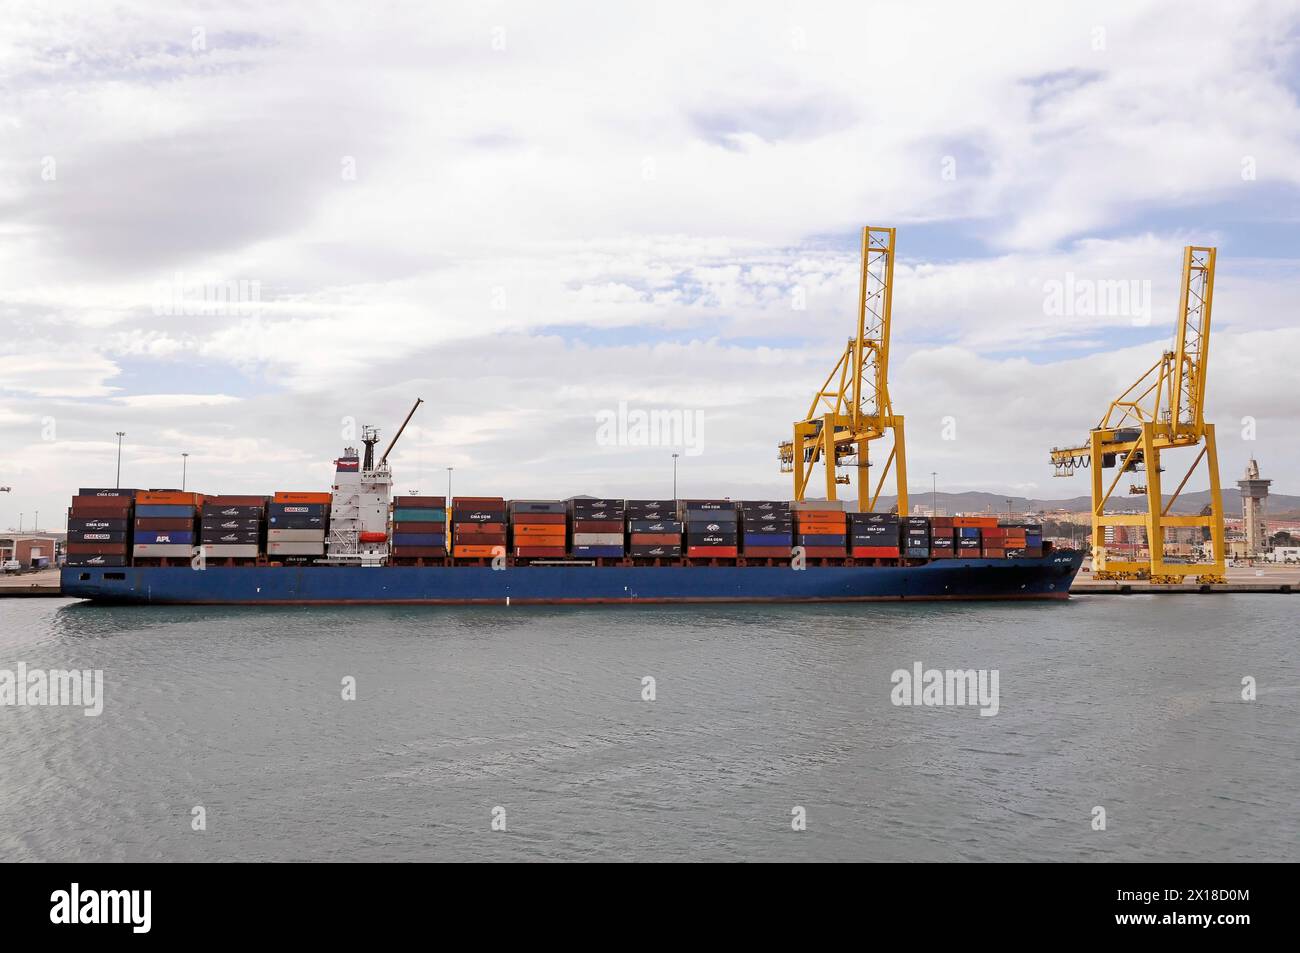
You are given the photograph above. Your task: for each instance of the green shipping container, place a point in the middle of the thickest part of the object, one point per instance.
(419, 516)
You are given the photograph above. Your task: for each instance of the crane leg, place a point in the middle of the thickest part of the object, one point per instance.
(1159, 572)
(828, 455)
(900, 466)
(1219, 574)
(864, 477)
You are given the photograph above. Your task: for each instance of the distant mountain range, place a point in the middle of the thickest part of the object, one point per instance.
(1279, 504)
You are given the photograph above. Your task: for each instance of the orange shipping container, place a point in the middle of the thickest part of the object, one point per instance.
(820, 518)
(477, 552)
(168, 498)
(539, 529)
(984, 522)
(287, 496)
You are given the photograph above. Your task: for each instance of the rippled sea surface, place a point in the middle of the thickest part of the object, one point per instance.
(1129, 703)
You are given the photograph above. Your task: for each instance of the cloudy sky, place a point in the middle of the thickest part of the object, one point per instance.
(527, 214)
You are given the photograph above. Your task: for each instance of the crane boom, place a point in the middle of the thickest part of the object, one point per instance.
(392, 443)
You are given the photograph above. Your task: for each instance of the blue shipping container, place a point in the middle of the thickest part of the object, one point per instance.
(595, 552)
(969, 532)
(174, 537)
(822, 539)
(152, 510)
(419, 539)
(768, 539)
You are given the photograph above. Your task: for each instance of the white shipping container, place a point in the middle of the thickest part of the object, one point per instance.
(160, 550)
(597, 539)
(222, 550)
(295, 535)
(295, 549)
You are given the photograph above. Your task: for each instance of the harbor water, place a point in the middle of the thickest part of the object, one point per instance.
(656, 733)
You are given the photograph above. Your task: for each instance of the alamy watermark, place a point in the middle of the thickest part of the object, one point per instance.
(205, 296)
(1098, 298)
(951, 687)
(656, 427)
(37, 687)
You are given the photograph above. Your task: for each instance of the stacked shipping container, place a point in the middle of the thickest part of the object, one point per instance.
(165, 523)
(712, 528)
(419, 527)
(916, 537)
(99, 527)
(874, 535)
(767, 529)
(654, 531)
(821, 528)
(478, 527)
(232, 527)
(943, 538)
(597, 528)
(297, 523)
(539, 528)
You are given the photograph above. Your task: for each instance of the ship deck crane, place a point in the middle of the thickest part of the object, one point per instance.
(853, 408)
(1164, 410)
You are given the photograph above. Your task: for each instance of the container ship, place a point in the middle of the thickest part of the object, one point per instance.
(356, 544)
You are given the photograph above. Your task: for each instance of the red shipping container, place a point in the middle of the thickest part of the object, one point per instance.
(116, 504)
(98, 512)
(655, 539)
(704, 552)
(540, 552)
(767, 552)
(476, 529)
(993, 553)
(539, 519)
(598, 526)
(296, 496)
(422, 552)
(875, 552)
(420, 527)
(96, 549)
(824, 552)
(420, 502)
(478, 502)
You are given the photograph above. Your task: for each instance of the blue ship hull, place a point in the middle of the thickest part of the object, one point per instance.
(1047, 577)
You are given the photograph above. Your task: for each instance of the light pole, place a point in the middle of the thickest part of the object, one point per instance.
(185, 460)
(675, 476)
(120, 435)
(449, 486)
(934, 494)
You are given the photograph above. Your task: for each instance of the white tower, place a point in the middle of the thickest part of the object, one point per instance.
(359, 512)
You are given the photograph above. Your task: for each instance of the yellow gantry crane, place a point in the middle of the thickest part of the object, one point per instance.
(852, 408)
(1164, 410)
